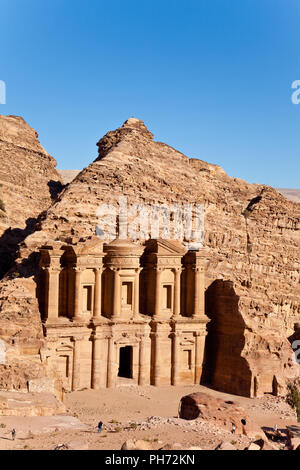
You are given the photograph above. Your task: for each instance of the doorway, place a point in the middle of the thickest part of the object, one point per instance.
(125, 362)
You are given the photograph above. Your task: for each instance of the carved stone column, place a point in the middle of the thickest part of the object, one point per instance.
(198, 310)
(175, 358)
(53, 293)
(76, 363)
(77, 294)
(158, 292)
(199, 355)
(157, 358)
(177, 292)
(71, 288)
(96, 362)
(97, 302)
(136, 307)
(143, 366)
(116, 294)
(111, 379)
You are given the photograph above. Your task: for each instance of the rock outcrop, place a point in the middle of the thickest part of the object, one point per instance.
(29, 182)
(225, 414)
(252, 236)
(30, 404)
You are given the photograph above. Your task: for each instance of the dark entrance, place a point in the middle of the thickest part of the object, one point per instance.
(125, 362)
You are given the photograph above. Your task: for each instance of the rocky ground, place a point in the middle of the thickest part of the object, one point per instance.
(131, 412)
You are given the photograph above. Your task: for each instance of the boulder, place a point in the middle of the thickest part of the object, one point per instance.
(224, 414)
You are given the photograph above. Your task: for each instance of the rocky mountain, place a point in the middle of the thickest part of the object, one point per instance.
(291, 194)
(252, 240)
(29, 182)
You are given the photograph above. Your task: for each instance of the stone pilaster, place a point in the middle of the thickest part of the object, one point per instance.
(136, 304)
(175, 358)
(53, 293)
(157, 292)
(111, 366)
(78, 294)
(199, 307)
(177, 273)
(143, 366)
(157, 358)
(76, 363)
(199, 354)
(116, 294)
(97, 380)
(71, 293)
(97, 301)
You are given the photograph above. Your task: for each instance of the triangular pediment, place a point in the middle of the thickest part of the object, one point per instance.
(165, 247)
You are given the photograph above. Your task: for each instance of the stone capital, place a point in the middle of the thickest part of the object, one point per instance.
(177, 269)
(115, 269)
(141, 336)
(97, 337)
(198, 269)
(159, 269)
(175, 334)
(78, 269)
(77, 338)
(98, 269)
(52, 269)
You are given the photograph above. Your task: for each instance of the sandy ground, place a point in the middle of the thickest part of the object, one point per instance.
(131, 412)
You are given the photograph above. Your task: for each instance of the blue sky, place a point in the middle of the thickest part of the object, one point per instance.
(211, 78)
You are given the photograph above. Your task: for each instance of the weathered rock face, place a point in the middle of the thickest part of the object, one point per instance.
(252, 235)
(22, 336)
(222, 413)
(28, 183)
(30, 404)
(245, 352)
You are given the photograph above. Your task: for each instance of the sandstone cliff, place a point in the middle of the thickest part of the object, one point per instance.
(29, 182)
(252, 235)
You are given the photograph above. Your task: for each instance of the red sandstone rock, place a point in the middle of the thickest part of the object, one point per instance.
(252, 235)
(222, 413)
(29, 182)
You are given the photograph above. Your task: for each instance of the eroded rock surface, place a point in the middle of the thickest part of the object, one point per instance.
(29, 182)
(252, 236)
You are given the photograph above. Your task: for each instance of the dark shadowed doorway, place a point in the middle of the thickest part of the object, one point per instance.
(125, 362)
